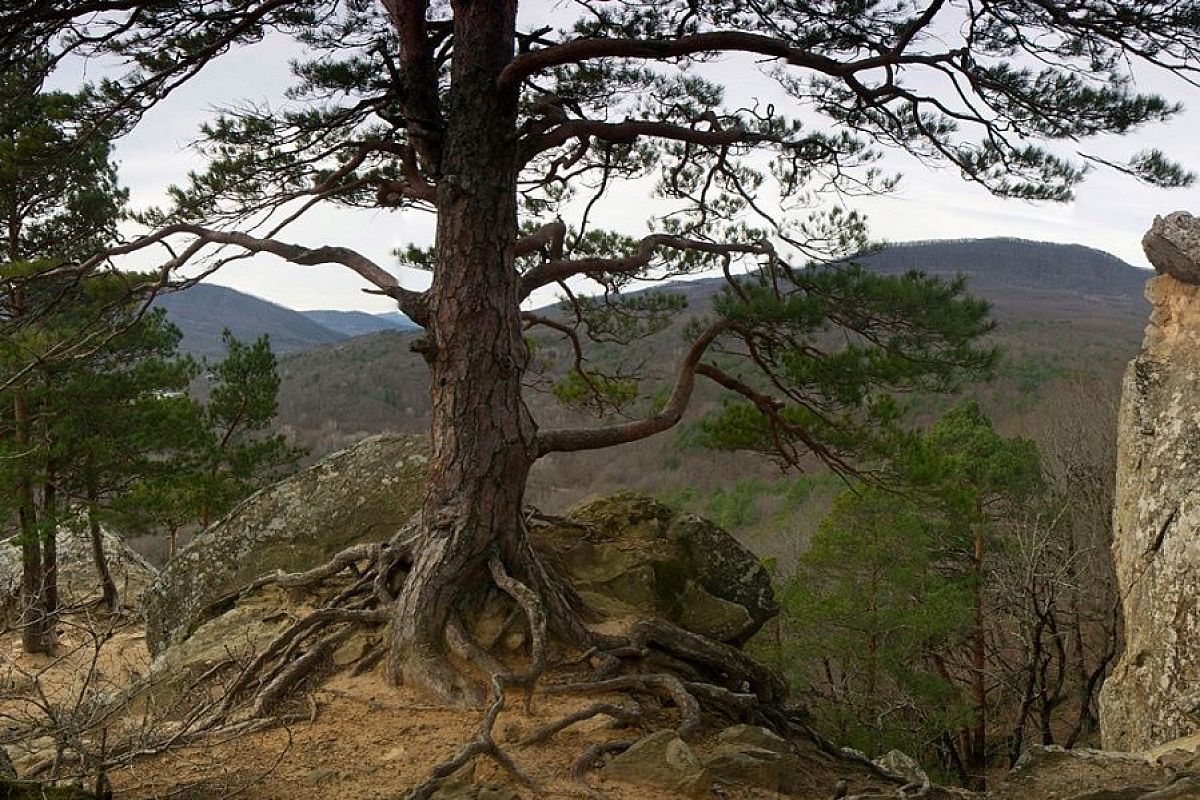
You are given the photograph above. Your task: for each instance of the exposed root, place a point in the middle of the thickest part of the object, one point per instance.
(535, 613)
(687, 671)
(291, 673)
(662, 684)
(463, 646)
(481, 744)
(282, 644)
(739, 671)
(622, 715)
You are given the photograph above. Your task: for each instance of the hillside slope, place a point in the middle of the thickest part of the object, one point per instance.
(204, 310)
(359, 323)
(1058, 307)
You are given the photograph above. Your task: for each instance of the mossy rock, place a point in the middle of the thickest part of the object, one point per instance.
(637, 556)
(362, 494)
(644, 556)
(30, 790)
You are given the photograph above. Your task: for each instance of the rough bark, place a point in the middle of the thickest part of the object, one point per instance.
(482, 437)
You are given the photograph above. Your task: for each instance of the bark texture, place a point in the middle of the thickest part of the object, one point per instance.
(482, 437)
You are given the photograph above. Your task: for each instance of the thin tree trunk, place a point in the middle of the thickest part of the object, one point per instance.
(50, 541)
(35, 616)
(977, 755)
(109, 597)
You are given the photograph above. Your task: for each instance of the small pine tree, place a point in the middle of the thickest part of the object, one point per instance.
(889, 601)
(240, 456)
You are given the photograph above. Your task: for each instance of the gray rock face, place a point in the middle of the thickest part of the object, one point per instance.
(1153, 695)
(77, 579)
(662, 761)
(630, 550)
(1173, 246)
(629, 555)
(362, 494)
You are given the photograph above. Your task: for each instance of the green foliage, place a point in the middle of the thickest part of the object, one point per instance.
(239, 456)
(595, 390)
(841, 350)
(885, 597)
(870, 602)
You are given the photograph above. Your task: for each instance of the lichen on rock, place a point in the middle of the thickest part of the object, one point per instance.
(1153, 694)
(362, 494)
(629, 555)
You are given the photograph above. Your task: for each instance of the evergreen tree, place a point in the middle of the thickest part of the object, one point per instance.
(240, 456)
(873, 608)
(115, 419)
(505, 129)
(59, 203)
(895, 586)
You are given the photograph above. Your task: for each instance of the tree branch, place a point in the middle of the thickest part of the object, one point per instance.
(413, 304)
(560, 269)
(528, 64)
(548, 236)
(572, 440)
(630, 130)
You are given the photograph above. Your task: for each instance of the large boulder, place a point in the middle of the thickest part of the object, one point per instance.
(1055, 773)
(629, 554)
(78, 582)
(361, 494)
(1153, 694)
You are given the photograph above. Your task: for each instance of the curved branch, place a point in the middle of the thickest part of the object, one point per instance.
(550, 236)
(578, 50)
(560, 269)
(630, 130)
(771, 408)
(572, 440)
(413, 304)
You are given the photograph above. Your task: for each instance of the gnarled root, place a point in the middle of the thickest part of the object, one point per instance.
(481, 744)
(687, 671)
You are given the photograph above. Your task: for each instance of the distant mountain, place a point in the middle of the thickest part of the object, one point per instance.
(398, 320)
(358, 323)
(1061, 310)
(204, 310)
(1018, 272)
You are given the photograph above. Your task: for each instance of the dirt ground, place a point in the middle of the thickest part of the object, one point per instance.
(364, 739)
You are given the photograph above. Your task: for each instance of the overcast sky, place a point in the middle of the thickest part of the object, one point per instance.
(1111, 211)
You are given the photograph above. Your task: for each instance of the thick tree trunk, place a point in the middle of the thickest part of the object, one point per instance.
(482, 436)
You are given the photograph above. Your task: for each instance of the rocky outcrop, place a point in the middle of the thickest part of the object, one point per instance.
(1153, 694)
(362, 494)
(1052, 771)
(630, 556)
(78, 582)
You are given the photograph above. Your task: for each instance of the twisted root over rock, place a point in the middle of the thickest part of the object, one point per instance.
(655, 658)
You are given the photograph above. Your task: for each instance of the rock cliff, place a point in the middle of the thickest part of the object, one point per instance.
(1153, 694)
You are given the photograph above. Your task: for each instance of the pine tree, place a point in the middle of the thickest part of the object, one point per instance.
(506, 130)
(59, 203)
(239, 455)
(895, 585)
